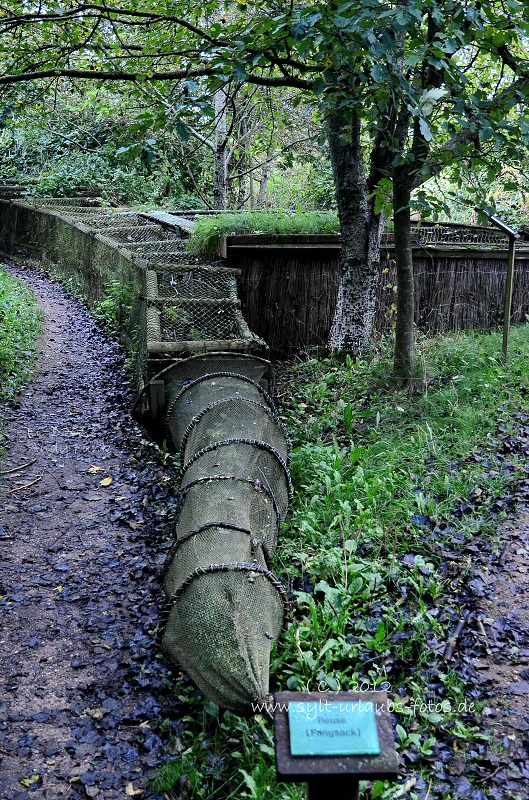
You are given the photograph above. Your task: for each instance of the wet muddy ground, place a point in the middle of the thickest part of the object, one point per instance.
(82, 691)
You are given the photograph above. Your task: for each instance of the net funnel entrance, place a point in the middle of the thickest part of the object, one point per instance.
(230, 418)
(222, 624)
(197, 395)
(186, 370)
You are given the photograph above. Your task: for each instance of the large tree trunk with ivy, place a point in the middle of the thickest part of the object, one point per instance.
(361, 231)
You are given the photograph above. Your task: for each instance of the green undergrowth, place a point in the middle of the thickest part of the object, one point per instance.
(393, 488)
(208, 231)
(20, 325)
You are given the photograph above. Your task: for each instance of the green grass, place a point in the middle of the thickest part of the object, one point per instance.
(20, 325)
(208, 231)
(391, 485)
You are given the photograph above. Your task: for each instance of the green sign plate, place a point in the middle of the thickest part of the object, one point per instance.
(332, 728)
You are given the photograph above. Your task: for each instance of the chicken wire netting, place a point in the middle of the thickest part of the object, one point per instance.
(234, 417)
(138, 233)
(61, 202)
(195, 320)
(197, 283)
(103, 221)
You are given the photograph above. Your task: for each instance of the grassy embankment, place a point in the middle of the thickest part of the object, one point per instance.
(393, 493)
(20, 325)
(208, 231)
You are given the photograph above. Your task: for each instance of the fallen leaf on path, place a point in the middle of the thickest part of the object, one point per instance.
(35, 778)
(106, 482)
(130, 791)
(94, 469)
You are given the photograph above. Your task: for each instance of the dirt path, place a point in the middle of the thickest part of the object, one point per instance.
(80, 684)
(502, 669)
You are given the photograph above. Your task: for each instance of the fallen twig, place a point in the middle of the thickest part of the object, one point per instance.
(17, 469)
(21, 488)
(490, 775)
(481, 629)
(449, 649)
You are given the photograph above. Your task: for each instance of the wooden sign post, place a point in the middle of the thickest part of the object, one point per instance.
(331, 741)
(513, 235)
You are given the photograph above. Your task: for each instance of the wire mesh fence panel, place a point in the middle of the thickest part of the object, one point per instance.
(447, 234)
(138, 233)
(62, 202)
(104, 221)
(193, 320)
(238, 458)
(232, 501)
(234, 417)
(223, 626)
(172, 246)
(196, 283)
(173, 256)
(198, 394)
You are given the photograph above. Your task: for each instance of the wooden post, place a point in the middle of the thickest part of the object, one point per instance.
(513, 235)
(337, 788)
(157, 399)
(508, 294)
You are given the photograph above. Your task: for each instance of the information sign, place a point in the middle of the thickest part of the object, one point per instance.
(333, 728)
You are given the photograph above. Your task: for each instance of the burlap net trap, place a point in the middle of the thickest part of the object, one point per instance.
(225, 606)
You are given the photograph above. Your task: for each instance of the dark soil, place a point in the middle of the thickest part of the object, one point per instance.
(82, 686)
(502, 665)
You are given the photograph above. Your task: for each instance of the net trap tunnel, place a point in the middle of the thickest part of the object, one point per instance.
(225, 606)
(207, 391)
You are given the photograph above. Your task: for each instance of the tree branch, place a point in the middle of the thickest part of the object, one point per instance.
(172, 75)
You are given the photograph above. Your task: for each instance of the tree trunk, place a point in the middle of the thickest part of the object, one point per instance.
(251, 179)
(262, 197)
(220, 180)
(404, 333)
(361, 230)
